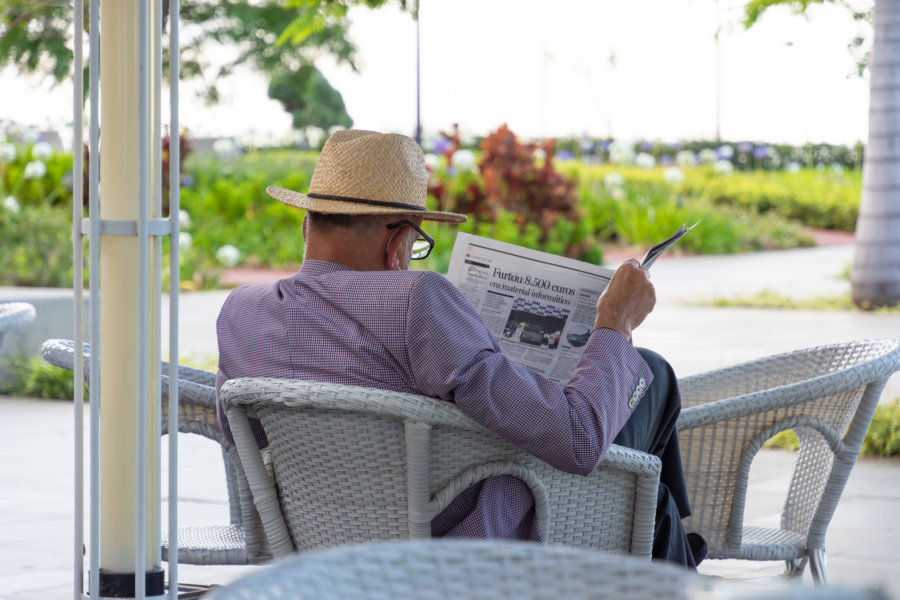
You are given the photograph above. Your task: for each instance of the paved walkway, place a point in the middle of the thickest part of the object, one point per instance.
(36, 553)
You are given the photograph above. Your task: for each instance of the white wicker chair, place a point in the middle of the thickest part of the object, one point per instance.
(463, 569)
(354, 464)
(827, 395)
(14, 315)
(239, 542)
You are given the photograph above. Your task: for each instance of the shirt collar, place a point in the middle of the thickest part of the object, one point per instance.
(315, 268)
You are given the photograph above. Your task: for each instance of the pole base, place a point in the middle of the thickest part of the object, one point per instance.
(121, 585)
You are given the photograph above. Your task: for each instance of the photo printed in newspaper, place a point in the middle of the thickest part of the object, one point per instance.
(539, 306)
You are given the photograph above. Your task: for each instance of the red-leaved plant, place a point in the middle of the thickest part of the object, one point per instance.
(511, 178)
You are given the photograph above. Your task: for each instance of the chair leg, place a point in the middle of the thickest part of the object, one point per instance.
(794, 567)
(817, 566)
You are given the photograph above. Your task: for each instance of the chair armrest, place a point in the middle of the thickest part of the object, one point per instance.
(194, 385)
(192, 375)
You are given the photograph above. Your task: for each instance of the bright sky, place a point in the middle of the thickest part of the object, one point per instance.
(632, 69)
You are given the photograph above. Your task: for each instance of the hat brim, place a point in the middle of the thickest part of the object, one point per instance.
(340, 207)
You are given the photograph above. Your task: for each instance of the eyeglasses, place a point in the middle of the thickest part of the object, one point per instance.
(423, 244)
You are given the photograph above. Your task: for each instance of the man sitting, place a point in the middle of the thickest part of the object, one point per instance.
(354, 314)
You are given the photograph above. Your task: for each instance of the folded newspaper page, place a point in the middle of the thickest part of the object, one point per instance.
(657, 250)
(540, 307)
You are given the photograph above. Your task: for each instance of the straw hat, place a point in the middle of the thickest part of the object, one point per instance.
(367, 173)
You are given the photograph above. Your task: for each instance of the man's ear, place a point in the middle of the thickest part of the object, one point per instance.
(394, 250)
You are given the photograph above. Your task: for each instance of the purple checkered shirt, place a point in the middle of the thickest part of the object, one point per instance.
(413, 331)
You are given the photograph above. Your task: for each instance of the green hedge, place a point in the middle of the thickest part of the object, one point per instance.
(824, 199)
(643, 208)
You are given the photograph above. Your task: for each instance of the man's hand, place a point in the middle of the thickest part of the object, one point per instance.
(627, 300)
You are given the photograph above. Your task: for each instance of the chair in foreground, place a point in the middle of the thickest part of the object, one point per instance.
(354, 464)
(14, 315)
(239, 542)
(469, 569)
(827, 396)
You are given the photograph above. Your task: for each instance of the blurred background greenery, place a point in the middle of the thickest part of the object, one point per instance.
(567, 197)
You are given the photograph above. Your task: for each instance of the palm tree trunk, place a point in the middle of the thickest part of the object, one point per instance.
(875, 277)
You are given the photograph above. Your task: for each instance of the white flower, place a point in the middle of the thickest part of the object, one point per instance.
(464, 160)
(793, 167)
(228, 255)
(621, 153)
(723, 167)
(11, 204)
(837, 168)
(726, 151)
(613, 181)
(35, 170)
(686, 158)
(7, 152)
(30, 135)
(645, 160)
(185, 241)
(673, 175)
(708, 156)
(432, 161)
(617, 193)
(41, 151)
(184, 219)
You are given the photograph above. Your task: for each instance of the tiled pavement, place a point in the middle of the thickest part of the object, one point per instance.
(36, 505)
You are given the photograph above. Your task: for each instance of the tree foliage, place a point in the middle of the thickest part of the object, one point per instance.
(34, 36)
(312, 102)
(754, 10)
(276, 37)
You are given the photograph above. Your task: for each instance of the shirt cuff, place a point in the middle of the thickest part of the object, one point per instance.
(621, 352)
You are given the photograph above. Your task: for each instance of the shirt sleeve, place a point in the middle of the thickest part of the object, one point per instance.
(226, 332)
(455, 357)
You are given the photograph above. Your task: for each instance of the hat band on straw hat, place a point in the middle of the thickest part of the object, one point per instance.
(370, 202)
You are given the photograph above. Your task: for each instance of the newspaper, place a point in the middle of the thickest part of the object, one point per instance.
(540, 307)
(657, 250)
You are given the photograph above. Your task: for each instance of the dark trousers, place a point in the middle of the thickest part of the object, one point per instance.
(651, 429)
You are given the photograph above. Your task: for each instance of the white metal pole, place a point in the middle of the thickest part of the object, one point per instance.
(94, 270)
(78, 293)
(174, 280)
(140, 521)
(154, 352)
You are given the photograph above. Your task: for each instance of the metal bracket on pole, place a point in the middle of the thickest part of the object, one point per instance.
(155, 227)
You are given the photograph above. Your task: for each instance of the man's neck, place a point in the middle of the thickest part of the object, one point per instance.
(353, 259)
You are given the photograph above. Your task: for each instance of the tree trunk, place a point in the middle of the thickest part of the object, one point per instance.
(875, 277)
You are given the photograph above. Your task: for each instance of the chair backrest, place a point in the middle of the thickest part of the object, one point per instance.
(827, 395)
(355, 464)
(196, 415)
(469, 569)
